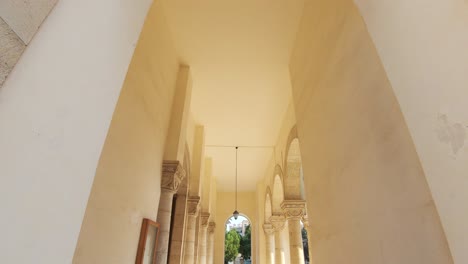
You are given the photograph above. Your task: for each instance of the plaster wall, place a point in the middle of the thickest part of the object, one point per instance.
(367, 195)
(225, 202)
(55, 111)
(422, 45)
(126, 188)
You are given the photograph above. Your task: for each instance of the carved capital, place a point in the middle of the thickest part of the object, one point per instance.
(269, 229)
(193, 203)
(172, 175)
(211, 227)
(277, 221)
(204, 217)
(294, 209)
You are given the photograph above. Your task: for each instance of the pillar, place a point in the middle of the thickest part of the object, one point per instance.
(192, 215)
(278, 222)
(172, 174)
(294, 211)
(178, 228)
(269, 243)
(210, 246)
(202, 237)
(307, 227)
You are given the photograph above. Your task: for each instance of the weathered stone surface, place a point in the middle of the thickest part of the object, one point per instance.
(25, 16)
(11, 48)
(172, 175)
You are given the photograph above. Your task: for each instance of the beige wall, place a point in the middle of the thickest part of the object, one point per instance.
(246, 204)
(422, 45)
(368, 200)
(126, 188)
(55, 111)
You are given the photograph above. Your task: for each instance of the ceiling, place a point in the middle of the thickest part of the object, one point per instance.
(239, 53)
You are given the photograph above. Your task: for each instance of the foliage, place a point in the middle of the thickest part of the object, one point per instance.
(231, 248)
(246, 244)
(305, 243)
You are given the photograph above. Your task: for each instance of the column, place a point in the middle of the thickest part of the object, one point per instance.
(202, 237)
(269, 243)
(192, 211)
(210, 247)
(294, 211)
(307, 227)
(278, 222)
(178, 229)
(172, 174)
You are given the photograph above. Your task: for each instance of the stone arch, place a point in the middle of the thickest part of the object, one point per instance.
(293, 178)
(268, 205)
(278, 191)
(251, 230)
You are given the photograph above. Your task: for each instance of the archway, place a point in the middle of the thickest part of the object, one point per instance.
(295, 196)
(238, 240)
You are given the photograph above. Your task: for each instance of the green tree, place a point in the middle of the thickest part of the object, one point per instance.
(246, 244)
(231, 248)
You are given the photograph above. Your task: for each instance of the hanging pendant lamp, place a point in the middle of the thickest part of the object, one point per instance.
(236, 213)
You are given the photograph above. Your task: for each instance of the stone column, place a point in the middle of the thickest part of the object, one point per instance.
(307, 227)
(189, 248)
(172, 174)
(278, 221)
(210, 247)
(178, 229)
(202, 237)
(269, 243)
(294, 211)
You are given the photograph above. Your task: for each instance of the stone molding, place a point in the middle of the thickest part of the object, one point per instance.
(268, 229)
(172, 175)
(204, 217)
(305, 221)
(211, 227)
(193, 203)
(294, 209)
(277, 221)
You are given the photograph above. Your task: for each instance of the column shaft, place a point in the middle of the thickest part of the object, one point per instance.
(296, 248)
(210, 246)
(277, 221)
(203, 237)
(178, 234)
(189, 251)
(279, 250)
(202, 245)
(164, 219)
(269, 243)
(189, 246)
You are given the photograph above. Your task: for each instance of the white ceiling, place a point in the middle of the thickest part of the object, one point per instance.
(238, 52)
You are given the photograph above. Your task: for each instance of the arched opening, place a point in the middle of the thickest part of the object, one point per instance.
(278, 191)
(238, 240)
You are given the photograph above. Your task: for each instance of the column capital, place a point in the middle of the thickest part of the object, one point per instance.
(268, 228)
(277, 221)
(172, 175)
(293, 209)
(193, 207)
(211, 227)
(204, 217)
